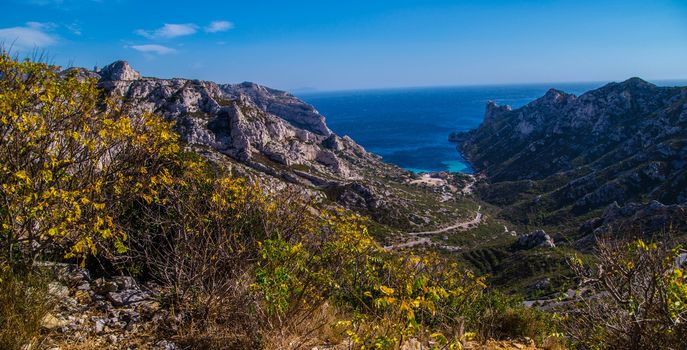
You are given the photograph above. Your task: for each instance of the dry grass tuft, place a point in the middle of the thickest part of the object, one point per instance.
(307, 331)
(24, 301)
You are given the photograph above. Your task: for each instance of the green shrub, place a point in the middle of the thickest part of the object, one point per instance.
(498, 316)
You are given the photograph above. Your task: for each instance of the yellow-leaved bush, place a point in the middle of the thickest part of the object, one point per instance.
(67, 161)
(387, 298)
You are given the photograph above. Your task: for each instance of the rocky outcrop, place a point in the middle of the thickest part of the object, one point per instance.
(119, 70)
(359, 196)
(624, 142)
(538, 238)
(456, 137)
(281, 104)
(113, 313)
(266, 129)
(638, 218)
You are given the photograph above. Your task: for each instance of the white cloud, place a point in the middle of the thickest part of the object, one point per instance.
(74, 28)
(33, 35)
(219, 26)
(154, 49)
(169, 31)
(41, 25)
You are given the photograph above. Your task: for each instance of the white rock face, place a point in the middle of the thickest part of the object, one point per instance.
(261, 127)
(119, 70)
(281, 104)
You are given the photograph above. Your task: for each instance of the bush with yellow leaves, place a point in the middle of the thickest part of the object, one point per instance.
(67, 161)
(385, 298)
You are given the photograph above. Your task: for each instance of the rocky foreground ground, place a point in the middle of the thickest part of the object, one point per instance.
(120, 313)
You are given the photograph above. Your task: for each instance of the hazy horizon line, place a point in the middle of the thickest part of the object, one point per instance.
(313, 90)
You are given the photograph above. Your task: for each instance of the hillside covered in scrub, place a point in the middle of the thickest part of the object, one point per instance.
(144, 213)
(613, 157)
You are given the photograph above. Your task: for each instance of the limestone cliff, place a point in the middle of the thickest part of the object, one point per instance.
(253, 124)
(565, 156)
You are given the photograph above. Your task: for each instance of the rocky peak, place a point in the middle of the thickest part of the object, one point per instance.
(555, 95)
(630, 87)
(119, 70)
(553, 99)
(281, 104)
(249, 85)
(637, 83)
(493, 107)
(493, 111)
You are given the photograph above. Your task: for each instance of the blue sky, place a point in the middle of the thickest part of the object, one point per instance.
(328, 45)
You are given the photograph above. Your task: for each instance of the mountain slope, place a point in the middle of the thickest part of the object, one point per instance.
(563, 157)
(281, 139)
(247, 121)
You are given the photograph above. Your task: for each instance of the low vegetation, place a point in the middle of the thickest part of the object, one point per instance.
(636, 297)
(24, 302)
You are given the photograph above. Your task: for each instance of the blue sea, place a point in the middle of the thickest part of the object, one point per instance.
(410, 127)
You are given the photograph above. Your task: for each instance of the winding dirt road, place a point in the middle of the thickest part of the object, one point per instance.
(461, 226)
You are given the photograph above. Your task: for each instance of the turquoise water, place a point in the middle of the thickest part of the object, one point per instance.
(456, 166)
(410, 127)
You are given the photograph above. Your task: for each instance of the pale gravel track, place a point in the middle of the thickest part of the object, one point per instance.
(462, 226)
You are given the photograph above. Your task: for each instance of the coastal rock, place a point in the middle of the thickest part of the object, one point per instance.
(615, 120)
(333, 143)
(281, 104)
(457, 137)
(624, 142)
(269, 136)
